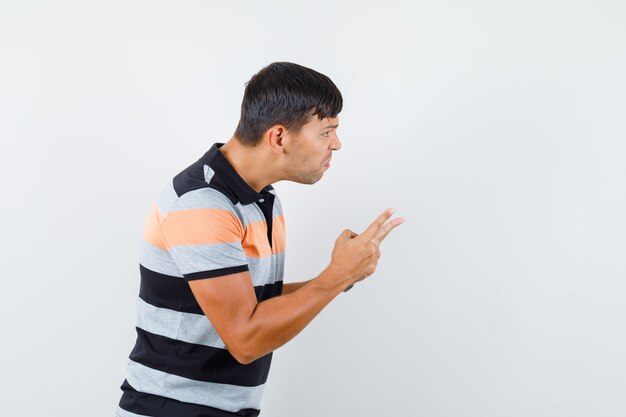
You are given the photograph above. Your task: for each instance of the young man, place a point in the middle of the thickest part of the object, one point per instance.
(212, 305)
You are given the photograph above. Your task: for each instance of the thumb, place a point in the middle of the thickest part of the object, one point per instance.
(347, 234)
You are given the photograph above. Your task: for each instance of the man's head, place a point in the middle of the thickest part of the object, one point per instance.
(285, 94)
(295, 108)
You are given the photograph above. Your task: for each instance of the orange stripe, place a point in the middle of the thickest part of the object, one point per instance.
(202, 226)
(278, 234)
(255, 242)
(151, 228)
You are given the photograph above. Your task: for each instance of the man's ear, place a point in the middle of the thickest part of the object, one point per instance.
(277, 136)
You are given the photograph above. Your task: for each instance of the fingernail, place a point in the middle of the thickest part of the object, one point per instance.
(391, 211)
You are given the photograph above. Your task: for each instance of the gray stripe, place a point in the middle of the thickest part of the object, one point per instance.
(166, 199)
(278, 207)
(157, 260)
(252, 213)
(123, 413)
(186, 327)
(204, 198)
(223, 396)
(266, 270)
(262, 270)
(211, 198)
(198, 258)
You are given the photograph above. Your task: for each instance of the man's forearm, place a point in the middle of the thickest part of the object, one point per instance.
(276, 321)
(293, 286)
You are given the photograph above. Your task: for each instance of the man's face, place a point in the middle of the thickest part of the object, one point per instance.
(311, 149)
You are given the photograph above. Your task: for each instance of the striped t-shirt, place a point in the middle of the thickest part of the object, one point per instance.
(207, 222)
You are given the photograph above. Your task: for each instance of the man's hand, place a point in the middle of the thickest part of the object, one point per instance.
(354, 256)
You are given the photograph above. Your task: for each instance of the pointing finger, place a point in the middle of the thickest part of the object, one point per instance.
(374, 229)
(387, 228)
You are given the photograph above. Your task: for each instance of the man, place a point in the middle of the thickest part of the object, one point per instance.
(212, 304)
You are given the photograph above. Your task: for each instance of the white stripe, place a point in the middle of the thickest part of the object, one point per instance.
(223, 396)
(208, 173)
(186, 327)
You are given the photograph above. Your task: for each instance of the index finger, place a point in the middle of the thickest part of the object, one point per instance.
(374, 229)
(388, 227)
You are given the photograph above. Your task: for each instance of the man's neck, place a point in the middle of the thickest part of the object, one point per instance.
(251, 164)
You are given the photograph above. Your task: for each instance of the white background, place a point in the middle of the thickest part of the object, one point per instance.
(496, 128)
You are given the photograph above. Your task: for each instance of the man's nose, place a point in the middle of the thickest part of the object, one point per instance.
(336, 145)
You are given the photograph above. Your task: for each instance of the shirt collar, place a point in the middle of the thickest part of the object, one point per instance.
(231, 178)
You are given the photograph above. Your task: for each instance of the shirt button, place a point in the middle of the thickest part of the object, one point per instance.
(261, 200)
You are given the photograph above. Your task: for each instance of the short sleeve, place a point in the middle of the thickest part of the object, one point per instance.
(204, 242)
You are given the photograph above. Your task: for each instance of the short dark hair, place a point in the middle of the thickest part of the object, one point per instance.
(288, 94)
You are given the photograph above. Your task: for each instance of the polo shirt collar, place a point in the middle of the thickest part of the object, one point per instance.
(244, 193)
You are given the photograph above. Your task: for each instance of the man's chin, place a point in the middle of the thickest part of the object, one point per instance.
(309, 180)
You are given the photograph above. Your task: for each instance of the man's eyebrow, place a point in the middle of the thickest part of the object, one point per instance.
(331, 126)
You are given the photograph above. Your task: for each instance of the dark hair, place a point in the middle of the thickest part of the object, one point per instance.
(288, 94)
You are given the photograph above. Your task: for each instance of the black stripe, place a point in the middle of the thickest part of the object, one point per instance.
(170, 292)
(216, 272)
(220, 185)
(226, 176)
(265, 292)
(190, 178)
(267, 207)
(166, 291)
(154, 405)
(198, 362)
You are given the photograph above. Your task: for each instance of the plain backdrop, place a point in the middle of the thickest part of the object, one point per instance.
(496, 128)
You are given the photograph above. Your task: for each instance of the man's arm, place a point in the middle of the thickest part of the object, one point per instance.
(250, 329)
(294, 286)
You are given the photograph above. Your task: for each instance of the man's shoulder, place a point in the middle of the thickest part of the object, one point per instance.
(185, 192)
(207, 197)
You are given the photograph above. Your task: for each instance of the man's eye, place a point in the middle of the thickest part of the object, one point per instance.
(326, 133)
